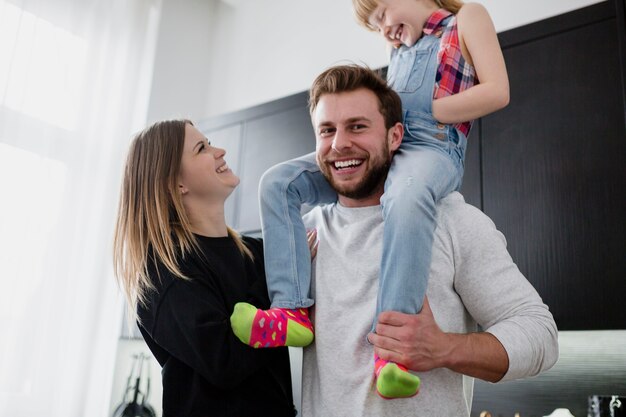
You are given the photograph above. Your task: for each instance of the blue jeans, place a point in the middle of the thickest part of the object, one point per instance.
(427, 167)
(282, 191)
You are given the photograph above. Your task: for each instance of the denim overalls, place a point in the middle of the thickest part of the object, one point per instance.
(427, 167)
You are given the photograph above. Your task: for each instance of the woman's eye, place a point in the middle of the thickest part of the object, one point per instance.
(203, 147)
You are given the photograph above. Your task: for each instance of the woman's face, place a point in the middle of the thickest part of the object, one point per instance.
(204, 174)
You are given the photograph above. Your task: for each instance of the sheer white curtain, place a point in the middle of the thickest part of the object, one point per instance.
(74, 85)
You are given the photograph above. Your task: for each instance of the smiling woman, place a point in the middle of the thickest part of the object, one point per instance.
(183, 269)
(205, 172)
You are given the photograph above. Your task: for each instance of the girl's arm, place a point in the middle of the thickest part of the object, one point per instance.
(480, 46)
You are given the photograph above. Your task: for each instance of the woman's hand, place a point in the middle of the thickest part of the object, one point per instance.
(311, 236)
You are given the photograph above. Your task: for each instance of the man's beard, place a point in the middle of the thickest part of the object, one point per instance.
(372, 181)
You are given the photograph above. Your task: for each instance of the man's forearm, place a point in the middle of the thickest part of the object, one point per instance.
(417, 342)
(480, 355)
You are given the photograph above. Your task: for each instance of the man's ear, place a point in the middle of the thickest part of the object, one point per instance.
(396, 133)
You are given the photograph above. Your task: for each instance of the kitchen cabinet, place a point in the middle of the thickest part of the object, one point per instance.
(554, 163)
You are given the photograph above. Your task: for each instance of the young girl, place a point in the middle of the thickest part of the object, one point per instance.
(447, 67)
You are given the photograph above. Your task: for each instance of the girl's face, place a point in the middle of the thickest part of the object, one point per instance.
(401, 21)
(203, 171)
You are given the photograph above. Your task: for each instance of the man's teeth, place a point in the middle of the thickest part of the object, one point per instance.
(222, 169)
(348, 164)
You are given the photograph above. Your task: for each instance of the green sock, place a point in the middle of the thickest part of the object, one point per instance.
(395, 381)
(271, 328)
(241, 321)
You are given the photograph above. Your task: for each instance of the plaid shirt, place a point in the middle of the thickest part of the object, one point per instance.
(454, 74)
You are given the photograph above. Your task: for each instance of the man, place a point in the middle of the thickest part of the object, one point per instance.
(473, 281)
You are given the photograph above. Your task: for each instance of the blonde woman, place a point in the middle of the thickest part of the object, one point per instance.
(183, 269)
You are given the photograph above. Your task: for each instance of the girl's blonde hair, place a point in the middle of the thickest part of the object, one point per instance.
(364, 9)
(152, 224)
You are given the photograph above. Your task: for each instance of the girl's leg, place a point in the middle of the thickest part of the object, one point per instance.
(418, 178)
(282, 191)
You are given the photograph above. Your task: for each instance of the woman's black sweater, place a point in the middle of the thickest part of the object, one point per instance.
(207, 371)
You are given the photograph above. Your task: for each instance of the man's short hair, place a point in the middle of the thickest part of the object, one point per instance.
(348, 78)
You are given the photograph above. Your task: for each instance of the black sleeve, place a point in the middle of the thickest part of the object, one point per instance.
(257, 293)
(193, 325)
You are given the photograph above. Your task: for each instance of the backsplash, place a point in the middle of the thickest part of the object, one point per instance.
(590, 362)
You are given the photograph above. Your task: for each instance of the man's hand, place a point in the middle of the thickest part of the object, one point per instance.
(417, 342)
(414, 340)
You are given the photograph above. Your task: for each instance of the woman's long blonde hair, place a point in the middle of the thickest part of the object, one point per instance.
(363, 9)
(151, 220)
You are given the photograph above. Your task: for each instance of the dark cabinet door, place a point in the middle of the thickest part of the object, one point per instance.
(554, 168)
(267, 141)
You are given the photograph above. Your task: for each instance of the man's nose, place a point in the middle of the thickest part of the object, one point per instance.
(341, 141)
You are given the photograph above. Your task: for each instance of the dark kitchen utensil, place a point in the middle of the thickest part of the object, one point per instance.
(606, 406)
(135, 407)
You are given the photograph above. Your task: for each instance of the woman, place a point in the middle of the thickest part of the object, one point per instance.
(183, 270)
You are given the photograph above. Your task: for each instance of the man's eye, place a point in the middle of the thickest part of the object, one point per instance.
(326, 131)
(358, 127)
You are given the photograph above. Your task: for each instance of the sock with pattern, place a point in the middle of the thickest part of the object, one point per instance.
(271, 328)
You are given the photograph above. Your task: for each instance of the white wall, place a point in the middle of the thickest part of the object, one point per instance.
(272, 48)
(182, 59)
(217, 56)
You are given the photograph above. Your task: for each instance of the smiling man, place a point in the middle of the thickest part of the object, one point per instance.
(350, 153)
(473, 281)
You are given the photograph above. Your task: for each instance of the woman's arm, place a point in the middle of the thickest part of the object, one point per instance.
(192, 324)
(480, 46)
